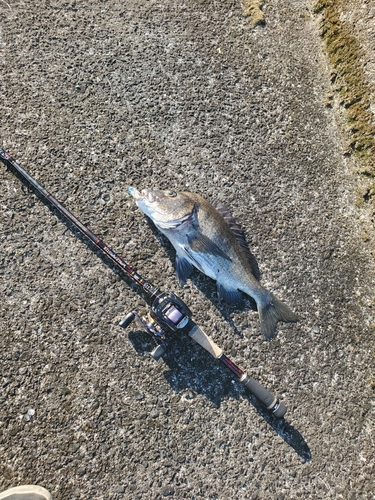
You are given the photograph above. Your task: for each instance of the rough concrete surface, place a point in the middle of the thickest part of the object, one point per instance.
(99, 95)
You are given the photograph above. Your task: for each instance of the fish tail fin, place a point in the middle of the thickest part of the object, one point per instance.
(272, 312)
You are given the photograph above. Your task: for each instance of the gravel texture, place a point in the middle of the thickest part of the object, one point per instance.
(99, 95)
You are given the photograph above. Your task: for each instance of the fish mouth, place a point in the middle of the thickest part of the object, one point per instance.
(145, 194)
(149, 196)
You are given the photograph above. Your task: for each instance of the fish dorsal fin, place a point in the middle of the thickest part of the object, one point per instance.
(239, 235)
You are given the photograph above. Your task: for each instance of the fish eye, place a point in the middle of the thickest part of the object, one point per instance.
(172, 194)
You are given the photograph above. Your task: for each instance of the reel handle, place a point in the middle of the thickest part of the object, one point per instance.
(124, 323)
(152, 329)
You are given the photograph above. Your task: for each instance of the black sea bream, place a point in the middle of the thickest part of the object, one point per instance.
(207, 237)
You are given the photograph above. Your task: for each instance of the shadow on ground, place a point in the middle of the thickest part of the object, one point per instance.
(190, 367)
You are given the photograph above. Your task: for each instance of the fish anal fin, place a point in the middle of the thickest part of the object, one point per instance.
(239, 235)
(183, 269)
(200, 243)
(228, 295)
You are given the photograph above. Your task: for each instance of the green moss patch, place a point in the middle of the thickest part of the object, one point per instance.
(253, 9)
(345, 53)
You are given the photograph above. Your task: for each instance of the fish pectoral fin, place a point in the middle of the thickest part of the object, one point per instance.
(193, 260)
(183, 269)
(228, 295)
(201, 243)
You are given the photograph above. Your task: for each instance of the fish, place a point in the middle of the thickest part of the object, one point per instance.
(206, 236)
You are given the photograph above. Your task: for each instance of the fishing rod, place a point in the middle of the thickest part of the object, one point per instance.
(168, 313)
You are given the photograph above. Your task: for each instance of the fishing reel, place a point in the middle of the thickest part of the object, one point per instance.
(168, 312)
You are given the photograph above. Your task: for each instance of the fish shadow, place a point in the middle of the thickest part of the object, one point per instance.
(207, 287)
(191, 371)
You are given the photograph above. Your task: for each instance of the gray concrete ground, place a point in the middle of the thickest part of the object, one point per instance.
(99, 95)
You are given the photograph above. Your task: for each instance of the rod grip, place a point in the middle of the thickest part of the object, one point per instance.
(265, 397)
